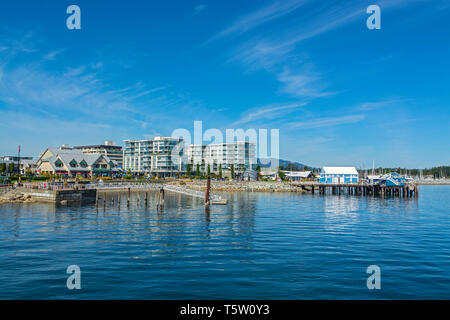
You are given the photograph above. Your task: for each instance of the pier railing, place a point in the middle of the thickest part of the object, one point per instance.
(191, 192)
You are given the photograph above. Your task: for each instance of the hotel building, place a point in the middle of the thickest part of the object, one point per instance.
(108, 149)
(240, 154)
(153, 156)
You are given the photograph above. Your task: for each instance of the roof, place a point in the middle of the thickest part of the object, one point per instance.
(67, 155)
(99, 146)
(339, 170)
(298, 174)
(27, 162)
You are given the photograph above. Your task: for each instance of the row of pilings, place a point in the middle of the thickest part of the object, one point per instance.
(406, 191)
(102, 199)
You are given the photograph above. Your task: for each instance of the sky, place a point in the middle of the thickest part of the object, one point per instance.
(339, 93)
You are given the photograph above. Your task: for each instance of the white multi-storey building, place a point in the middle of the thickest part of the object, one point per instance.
(240, 154)
(155, 156)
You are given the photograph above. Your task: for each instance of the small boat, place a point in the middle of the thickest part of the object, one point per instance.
(219, 202)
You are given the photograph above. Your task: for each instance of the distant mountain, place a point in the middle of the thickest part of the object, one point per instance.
(275, 163)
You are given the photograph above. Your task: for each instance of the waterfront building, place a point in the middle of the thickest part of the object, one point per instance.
(390, 179)
(109, 149)
(21, 164)
(298, 175)
(241, 155)
(71, 162)
(153, 156)
(27, 166)
(269, 173)
(250, 175)
(339, 175)
(14, 158)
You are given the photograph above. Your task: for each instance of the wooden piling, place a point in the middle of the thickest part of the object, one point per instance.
(161, 198)
(208, 187)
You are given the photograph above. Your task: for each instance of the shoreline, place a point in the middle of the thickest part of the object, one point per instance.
(21, 195)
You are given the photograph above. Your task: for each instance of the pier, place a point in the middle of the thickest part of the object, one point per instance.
(404, 191)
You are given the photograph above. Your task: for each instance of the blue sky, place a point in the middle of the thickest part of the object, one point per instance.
(340, 94)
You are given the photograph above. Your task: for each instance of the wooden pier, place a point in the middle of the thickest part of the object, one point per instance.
(404, 191)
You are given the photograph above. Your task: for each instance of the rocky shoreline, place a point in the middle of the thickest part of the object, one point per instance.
(15, 196)
(240, 186)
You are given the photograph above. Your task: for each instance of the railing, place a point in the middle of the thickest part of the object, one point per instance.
(191, 192)
(119, 185)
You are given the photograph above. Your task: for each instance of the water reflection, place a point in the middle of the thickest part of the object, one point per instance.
(341, 212)
(260, 245)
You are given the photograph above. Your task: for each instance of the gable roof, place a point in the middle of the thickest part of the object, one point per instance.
(297, 174)
(339, 170)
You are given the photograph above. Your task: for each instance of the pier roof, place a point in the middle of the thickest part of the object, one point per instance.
(340, 170)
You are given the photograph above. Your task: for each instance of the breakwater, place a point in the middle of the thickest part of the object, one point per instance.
(240, 186)
(46, 195)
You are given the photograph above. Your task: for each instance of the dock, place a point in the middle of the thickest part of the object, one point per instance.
(404, 191)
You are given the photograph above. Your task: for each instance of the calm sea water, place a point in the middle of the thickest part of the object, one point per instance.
(261, 246)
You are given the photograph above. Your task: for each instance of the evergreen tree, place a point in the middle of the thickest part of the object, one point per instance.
(258, 172)
(198, 170)
(188, 170)
(232, 171)
(209, 170)
(220, 171)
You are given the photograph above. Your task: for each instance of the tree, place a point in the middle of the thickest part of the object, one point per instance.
(220, 171)
(280, 173)
(232, 171)
(3, 168)
(11, 168)
(209, 170)
(258, 172)
(188, 169)
(197, 173)
(291, 167)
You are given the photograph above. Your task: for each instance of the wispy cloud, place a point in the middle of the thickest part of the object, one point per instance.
(52, 55)
(261, 16)
(369, 106)
(327, 122)
(272, 111)
(199, 8)
(277, 51)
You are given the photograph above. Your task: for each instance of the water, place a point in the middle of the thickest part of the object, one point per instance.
(261, 246)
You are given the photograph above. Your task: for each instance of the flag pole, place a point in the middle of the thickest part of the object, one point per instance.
(18, 164)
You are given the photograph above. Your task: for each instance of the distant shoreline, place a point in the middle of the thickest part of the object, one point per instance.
(445, 182)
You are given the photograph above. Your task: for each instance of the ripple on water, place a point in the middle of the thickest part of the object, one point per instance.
(261, 245)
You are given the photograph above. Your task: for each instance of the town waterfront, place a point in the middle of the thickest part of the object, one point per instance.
(259, 246)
